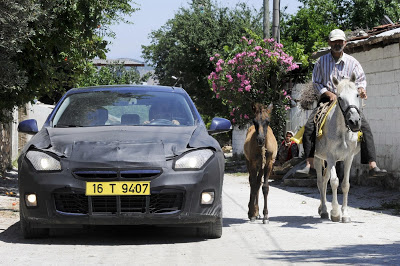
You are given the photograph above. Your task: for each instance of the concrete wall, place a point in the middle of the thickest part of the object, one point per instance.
(238, 138)
(37, 111)
(382, 109)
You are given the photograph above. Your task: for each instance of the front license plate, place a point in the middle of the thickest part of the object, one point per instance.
(117, 188)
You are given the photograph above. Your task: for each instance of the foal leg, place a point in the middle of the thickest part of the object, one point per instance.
(334, 180)
(322, 182)
(254, 189)
(345, 189)
(253, 194)
(265, 189)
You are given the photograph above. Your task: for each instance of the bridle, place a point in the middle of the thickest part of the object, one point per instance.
(344, 112)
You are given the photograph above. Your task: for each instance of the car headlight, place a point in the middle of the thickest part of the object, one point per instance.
(42, 161)
(193, 160)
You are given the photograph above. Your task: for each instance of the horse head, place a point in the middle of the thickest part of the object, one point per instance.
(348, 100)
(261, 121)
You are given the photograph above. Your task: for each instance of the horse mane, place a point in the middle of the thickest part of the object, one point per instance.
(345, 83)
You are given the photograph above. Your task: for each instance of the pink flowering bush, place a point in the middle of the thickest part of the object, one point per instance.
(255, 72)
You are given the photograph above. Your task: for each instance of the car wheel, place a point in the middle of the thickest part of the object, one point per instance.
(31, 232)
(212, 230)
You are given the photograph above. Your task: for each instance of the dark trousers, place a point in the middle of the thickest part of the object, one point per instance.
(367, 144)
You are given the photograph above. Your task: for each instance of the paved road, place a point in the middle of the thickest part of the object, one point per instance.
(294, 235)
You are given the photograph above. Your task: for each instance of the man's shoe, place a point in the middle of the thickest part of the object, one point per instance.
(376, 172)
(305, 172)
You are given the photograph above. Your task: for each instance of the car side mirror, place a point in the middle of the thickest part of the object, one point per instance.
(219, 125)
(28, 126)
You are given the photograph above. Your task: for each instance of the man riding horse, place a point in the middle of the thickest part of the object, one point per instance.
(340, 65)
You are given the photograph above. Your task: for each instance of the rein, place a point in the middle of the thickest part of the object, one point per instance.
(344, 112)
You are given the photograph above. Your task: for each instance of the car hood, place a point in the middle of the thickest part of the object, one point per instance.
(121, 146)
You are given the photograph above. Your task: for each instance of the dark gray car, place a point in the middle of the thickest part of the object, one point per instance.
(122, 155)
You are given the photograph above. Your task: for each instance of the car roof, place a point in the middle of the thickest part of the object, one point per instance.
(127, 88)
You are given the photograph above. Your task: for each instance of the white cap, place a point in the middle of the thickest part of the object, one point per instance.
(337, 34)
(291, 132)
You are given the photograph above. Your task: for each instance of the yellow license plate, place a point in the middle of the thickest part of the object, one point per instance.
(118, 188)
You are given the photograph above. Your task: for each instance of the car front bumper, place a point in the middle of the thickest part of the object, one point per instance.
(175, 199)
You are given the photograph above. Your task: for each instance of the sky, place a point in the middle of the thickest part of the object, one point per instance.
(155, 13)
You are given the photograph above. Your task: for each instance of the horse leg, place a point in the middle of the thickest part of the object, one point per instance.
(265, 189)
(346, 188)
(254, 187)
(334, 180)
(322, 182)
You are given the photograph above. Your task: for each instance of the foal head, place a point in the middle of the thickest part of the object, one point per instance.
(261, 121)
(348, 100)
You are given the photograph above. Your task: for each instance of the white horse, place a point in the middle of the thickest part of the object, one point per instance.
(338, 143)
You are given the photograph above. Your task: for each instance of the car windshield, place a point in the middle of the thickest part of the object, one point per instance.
(116, 108)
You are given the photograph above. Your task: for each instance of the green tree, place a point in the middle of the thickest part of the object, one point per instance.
(63, 35)
(306, 31)
(310, 25)
(15, 17)
(367, 14)
(183, 46)
(110, 75)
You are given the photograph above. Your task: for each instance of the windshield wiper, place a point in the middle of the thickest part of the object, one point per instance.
(62, 126)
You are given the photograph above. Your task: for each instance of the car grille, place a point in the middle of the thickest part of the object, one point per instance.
(133, 174)
(82, 204)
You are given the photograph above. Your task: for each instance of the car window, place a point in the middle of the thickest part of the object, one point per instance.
(111, 108)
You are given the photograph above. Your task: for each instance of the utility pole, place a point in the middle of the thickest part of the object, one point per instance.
(266, 19)
(275, 21)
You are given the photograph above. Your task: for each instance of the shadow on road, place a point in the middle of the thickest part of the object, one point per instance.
(374, 199)
(110, 235)
(301, 222)
(107, 235)
(368, 254)
(233, 221)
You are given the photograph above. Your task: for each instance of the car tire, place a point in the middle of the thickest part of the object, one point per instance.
(29, 231)
(212, 230)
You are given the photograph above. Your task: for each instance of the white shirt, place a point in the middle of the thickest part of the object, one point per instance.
(326, 68)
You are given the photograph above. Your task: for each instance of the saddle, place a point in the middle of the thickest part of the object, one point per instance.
(319, 120)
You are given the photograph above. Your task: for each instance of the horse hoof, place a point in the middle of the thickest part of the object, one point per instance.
(324, 215)
(265, 221)
(252, 219)
(346, 220)
(335, 218)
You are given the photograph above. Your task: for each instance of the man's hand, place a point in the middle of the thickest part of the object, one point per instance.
(363, 93)
(329, 95)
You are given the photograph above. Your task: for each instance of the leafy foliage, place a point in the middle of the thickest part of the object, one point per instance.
(182, 47)
(15, 17)
(367, 14)
(307, 31)
(111, 75)
(256, 72)
(58, 39)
